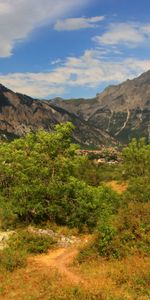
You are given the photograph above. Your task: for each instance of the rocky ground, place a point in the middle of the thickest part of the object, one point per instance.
(62, 240)
(4, 237)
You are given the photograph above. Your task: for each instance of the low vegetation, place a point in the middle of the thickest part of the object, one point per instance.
(44, 181)
(20, 245)
(127, 231)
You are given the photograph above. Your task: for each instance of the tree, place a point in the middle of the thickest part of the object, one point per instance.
(33, 166)
(39, 181)
(137, 158)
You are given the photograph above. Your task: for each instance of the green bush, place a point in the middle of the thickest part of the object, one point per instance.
(20, 245)
(105, 238)
(12, 258)
(32, 169)
(88, 252)
(137, 159)
(40, 181)
(32, 242)
(138, 190)
(127, 233)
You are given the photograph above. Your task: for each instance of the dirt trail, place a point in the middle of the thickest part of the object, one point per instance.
(61, 260)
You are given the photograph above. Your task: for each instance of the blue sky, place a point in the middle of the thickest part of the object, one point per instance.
(72, 48)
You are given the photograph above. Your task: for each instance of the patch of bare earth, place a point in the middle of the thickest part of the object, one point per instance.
(53, 276)
(60, 259)
(117, 186)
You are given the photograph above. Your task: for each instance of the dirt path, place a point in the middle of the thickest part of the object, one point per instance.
(61, 260)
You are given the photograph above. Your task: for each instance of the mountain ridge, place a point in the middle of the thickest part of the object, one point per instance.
(121, 110)
(20, 114)
(119, 113)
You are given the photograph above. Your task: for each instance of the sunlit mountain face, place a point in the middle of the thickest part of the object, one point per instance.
(114, 116)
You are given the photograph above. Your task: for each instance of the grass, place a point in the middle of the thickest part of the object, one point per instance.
(128, 279)
(12, 258)
(20, 245)
(103, 279)
(31, 242)
(125, 279)
(117, 186)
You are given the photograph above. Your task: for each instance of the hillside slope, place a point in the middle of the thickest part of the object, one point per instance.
(20, 114)
(122, 110)
(119, 113)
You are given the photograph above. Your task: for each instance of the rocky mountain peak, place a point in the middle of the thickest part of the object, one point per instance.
(119, 113)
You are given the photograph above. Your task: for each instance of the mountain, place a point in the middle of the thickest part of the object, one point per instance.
(20, 114)
(123, 110)
(119, 113)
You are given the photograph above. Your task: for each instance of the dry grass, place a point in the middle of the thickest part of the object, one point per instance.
(125, 279)
(117, 186)
(128, 279)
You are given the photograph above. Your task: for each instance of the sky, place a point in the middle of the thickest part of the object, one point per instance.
(72, 48)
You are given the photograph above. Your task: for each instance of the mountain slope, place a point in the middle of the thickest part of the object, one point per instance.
(119, 113)
(122, 110)
(20, 114)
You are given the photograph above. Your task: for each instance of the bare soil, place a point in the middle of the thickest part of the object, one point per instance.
(61, 260)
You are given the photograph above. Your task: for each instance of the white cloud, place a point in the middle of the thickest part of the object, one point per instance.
(129, 34)
(4, 8)
(31, 84)
(56, 61)
(92, 71)
(77, 23)
(19, 17)
(88, 70)
(146, 29)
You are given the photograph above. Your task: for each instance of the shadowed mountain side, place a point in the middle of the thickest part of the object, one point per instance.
(20, 114)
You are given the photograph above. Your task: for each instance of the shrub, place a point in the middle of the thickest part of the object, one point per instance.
(12, 258)
(138, 190)
(127, 233)
(137, 159)
(105, 238)
(20, 245)
(31, 242)
(89, 252)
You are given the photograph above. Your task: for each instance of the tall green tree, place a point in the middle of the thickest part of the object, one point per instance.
(31, 168)
(39, 180)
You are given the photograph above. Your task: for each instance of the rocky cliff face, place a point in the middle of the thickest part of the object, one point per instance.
(20, 114)
(119, 113)
(123, 110)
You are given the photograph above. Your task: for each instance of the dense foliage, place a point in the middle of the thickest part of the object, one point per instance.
(137, 170)
(129, 231)
(40, 180)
